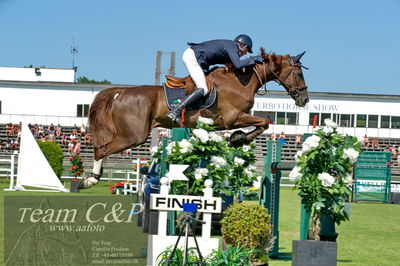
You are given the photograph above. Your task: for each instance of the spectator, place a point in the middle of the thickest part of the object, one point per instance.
(14, 144)
(64, 139)
(58, 130)
(77, 148)
(297, 140)
(273, 136)
(51, 136)
(41, 130)
(86, 139)
(36, 128)
(73, 137)
(43, 137)
(282, 138)
(398, 159)
(51, 129)
(75, 128)
(70, 147)
(10, 129)
(375, 143)
(393, 150)
(83, 130)
(366, 141)
(128, 151)
(32, 129)
(18, 134)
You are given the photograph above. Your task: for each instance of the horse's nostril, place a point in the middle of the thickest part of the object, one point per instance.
(306, 100)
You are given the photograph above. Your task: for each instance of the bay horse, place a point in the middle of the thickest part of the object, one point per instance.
(122, 117)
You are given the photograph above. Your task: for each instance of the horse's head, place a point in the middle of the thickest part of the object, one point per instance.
(287, 71)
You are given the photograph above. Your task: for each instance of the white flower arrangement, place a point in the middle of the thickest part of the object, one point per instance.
(351, 153)
(323, 174)
(205, 121)
(208, 154)
(218, 161)
(238, 161)
(201, 134)
(185, 146)
(326, 179)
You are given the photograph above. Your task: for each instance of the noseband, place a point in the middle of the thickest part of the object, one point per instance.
(293, 92)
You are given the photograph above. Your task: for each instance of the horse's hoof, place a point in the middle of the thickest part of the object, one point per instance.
(237, 139)
(88, 182)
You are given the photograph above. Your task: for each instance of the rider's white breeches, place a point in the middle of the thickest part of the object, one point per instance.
(194, 69)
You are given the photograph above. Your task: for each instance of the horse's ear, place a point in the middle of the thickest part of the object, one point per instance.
(296, 59)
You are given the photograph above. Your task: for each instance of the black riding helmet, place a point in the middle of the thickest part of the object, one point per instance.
(245, 39)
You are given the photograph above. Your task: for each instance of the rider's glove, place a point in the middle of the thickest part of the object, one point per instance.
(258, 59)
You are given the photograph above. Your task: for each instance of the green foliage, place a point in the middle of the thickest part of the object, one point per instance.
(323, 173)
(232, 255)
(54, 155)
(177, 259)
(209, 156)
(247, 224)
(77, 165)
(84, 79)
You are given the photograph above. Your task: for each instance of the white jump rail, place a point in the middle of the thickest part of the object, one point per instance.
(10, 170)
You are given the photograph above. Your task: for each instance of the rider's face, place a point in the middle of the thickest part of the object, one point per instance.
(243, 50)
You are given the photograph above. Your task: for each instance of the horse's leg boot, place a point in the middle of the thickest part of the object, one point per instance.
(175, 113)
(89, 181)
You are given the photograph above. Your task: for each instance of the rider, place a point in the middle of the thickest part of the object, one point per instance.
(198, 58)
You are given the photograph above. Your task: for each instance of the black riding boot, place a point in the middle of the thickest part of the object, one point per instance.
(175, 113)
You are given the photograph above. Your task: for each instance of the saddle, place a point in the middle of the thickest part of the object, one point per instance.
(176, 89)
(186, 83)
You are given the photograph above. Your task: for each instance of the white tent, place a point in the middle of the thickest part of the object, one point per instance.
(33, 168)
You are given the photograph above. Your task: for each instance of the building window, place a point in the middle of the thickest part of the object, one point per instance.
(346, 120)
(385, 121)
(270, 116)
(372, 121)
(361, 121)
(311, 118)
(395, 121)
(325, 116)
(280, 118)
(292, 118)
(82, 110)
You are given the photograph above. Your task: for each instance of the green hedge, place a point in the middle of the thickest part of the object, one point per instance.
(54, 155)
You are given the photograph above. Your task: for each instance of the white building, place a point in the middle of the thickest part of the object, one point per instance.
(53, 97)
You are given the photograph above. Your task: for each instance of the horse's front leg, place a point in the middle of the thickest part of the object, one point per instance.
(239, 138)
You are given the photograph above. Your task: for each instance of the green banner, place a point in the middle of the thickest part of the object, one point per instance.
(79, 230)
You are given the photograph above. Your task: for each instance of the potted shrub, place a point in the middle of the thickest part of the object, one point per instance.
(323, 176)
(247, 225)
(76, 170)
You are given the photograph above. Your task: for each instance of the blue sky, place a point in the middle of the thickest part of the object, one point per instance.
(352, 46)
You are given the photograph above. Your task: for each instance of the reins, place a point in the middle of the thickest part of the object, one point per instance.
(293, 92)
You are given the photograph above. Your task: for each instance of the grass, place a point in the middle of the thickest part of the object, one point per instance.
(370, 238)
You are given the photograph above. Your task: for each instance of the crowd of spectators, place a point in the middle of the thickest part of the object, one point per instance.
(52, 133)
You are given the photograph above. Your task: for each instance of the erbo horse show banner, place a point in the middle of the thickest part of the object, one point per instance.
(65, 230)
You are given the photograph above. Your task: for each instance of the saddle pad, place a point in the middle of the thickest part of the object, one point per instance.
(175, 96)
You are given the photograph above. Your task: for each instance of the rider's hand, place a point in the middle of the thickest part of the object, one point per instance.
(258, 59)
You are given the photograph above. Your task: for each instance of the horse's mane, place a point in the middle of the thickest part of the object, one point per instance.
(271, 58)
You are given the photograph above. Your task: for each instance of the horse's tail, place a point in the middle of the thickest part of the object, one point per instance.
(100, 117)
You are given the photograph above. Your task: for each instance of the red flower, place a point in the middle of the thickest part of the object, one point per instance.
(112, 187)
(113, 192)
(119, 184)
(79, 173)
(83, 169)
(71, 159)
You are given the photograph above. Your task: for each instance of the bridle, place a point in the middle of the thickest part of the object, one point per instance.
(293, 92)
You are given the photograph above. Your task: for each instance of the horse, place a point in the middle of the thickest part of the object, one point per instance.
(122, 117)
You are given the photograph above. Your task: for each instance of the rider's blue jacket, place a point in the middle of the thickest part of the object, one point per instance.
(219, 52)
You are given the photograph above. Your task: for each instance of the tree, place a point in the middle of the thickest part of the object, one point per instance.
(84, 79)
